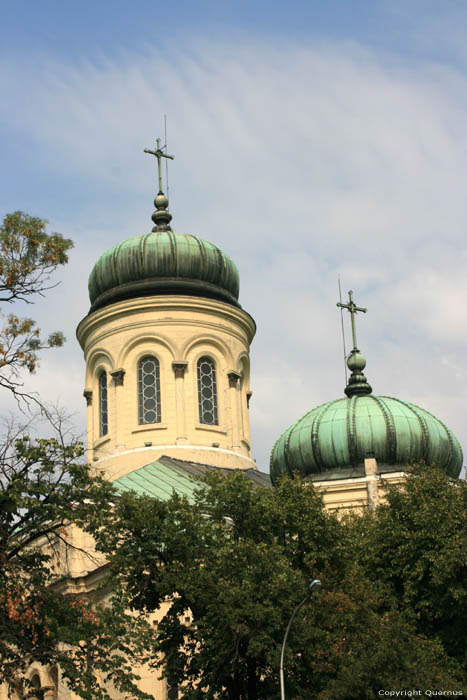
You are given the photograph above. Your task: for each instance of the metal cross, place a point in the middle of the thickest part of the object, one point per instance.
(352, 308)
(159, 153)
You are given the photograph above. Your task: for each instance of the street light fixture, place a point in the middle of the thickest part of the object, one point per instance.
(315, 585)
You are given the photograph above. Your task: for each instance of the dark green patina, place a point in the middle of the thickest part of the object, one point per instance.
(163, 262)
(332, 440)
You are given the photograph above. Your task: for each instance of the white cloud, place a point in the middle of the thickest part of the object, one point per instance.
(301, 162)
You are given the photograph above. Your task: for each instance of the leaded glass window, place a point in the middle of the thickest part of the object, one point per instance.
(103, 405)
(149, 390)
(207, 391)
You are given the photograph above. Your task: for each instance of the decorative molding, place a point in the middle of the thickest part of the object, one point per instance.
(249, 394)
(234, 378)
(179, 369)
(118, 375)
(88, 396)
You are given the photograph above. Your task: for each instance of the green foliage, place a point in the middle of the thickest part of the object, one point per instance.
(235, 565)
(46, 493)
(415, 549)
(28, 257)
(46, 490)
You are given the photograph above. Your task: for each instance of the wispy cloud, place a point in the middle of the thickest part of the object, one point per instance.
(300, 161)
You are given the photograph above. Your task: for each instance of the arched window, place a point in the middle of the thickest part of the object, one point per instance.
(207, 391)
(149, 390)
(103, 406)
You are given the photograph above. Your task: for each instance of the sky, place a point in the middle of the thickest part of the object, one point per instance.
(312, 140)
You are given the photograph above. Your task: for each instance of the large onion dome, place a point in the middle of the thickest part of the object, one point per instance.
(332, 440)
(163, 262)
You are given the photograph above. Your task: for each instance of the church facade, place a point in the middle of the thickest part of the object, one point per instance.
(167, 385)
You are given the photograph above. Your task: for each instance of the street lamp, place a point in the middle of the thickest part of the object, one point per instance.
(315, 585)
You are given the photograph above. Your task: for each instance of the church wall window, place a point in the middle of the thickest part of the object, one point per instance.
(103, 405)
(149, 390)
(207, 391)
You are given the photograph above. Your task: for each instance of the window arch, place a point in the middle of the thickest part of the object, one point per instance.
(103, 405)
(207, 391)
(149, 390)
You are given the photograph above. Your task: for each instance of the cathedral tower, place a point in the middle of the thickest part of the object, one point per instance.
(166, 345)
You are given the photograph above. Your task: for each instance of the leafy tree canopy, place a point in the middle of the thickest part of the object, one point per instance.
(46, 492)
(28, 257)
(415, 548)
(234, 565)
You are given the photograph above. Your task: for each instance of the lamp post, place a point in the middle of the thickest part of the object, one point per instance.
(315, 585)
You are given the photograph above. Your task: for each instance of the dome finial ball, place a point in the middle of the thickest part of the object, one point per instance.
(356, 362)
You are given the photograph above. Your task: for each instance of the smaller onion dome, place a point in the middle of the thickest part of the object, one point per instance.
(332, 440)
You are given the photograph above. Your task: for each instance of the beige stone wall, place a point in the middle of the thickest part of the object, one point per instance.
(178, 330)
(357, 494)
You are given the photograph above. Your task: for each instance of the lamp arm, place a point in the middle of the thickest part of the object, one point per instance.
(299, 606)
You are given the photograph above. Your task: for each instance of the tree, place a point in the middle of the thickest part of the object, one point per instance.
(234, 566)
(47, 491)
(28, 258)
(415, 548)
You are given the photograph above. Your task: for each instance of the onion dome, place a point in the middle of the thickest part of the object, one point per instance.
(163, 262)
(332, 440)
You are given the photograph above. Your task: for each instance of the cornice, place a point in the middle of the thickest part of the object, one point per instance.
(131, 307)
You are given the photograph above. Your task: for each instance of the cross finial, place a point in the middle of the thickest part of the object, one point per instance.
(352, 308)
(161, 217)
(159, 153)
(357, 384)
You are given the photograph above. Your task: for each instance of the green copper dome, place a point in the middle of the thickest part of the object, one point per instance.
(163, 262)
(332, 440)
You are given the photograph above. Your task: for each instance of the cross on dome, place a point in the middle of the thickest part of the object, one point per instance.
(161, 217)
(352, 308)
(159, 154)
(357, 384)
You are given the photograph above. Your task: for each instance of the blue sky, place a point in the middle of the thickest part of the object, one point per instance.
(311, 139)
(104, 27)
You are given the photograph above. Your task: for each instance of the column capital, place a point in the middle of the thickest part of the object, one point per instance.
(179, 369)
(88, 396)
(234, 378)
(118, 375)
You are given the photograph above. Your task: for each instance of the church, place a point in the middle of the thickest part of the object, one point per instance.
(167, 385)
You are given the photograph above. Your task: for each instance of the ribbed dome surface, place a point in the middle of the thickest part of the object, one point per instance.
(163, 262)
(341, 433)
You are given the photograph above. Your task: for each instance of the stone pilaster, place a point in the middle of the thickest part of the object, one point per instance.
(118, 376)
(371, 474)
(179, 369)
(235, 409)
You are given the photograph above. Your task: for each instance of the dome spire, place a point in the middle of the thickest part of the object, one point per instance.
(161, 217)
(357, 384)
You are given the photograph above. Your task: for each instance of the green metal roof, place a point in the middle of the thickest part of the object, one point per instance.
(340, 434)
(163, 262)
(160, 481)
(166, 476)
